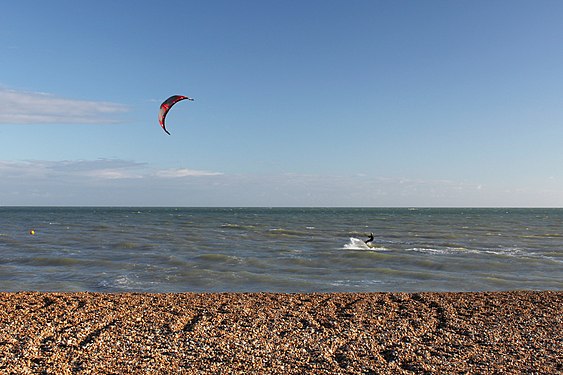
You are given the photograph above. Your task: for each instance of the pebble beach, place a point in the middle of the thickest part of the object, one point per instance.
(275, 333)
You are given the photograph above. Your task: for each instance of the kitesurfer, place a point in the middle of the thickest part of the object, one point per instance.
(370, 239)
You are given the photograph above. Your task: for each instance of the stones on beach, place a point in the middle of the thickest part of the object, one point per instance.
(281, 333)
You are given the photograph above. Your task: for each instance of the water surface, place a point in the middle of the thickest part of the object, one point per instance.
(279, 249)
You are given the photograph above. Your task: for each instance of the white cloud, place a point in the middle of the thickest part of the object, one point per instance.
(184, 172)
(122, 182)
(20, 169)
(100, 169)
(96, 169)
(24, 107)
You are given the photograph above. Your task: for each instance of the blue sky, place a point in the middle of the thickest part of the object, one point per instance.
(297, 103)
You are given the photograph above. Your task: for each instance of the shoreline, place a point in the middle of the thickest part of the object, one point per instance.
(277, 333)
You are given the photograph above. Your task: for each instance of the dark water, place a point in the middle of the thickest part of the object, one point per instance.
(280, 249)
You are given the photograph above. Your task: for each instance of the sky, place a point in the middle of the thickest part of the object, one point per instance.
(361, 103)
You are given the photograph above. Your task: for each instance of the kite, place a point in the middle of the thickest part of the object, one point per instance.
(165, 107)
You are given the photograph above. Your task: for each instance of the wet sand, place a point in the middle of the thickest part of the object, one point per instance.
(335, 333)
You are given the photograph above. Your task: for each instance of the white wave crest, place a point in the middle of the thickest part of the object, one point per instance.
(357, 244)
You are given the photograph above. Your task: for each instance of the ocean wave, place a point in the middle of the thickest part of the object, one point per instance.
(500, 252)
(543, 235)
(356, 283)
(125, 282)
(52, 261)
(441, 251)
(218, 258)
(287, 232)
(516, 252)
(238, 226)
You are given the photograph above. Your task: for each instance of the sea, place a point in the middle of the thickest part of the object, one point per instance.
(162, 250)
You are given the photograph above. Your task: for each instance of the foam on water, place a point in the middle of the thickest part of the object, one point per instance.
(357, 244)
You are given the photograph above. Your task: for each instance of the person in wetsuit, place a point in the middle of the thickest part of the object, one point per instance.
(370, 239)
